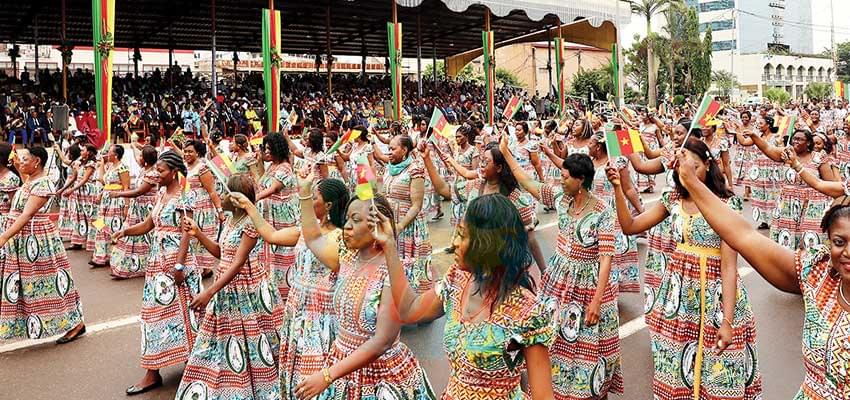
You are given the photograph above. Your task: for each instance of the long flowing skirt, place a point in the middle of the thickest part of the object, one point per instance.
(85, 212)
(796, 218)
(129, 257)
(204, 215)
(280, 213)
(415, 249)
(113, 213)
(38, 297)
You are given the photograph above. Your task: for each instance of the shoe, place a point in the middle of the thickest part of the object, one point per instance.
(133, 390)
(438, 217)
(74, 247)
(763, 226)
(65, 339)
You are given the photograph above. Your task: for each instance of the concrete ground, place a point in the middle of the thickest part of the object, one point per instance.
(106, 360)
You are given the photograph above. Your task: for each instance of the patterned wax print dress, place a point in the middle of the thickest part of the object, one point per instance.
(204, 214)
(236, 353)
(168, 325)
(395, 374)
(585, 359)
(431, 201)
(461, 186)
(281, 210)
(688, 312)
(624, 265)
(242, 164)
(309, 321)
(826, 328)
(39, 298)
(91, 236)
(799, 209)
(521, 200)
(743, 160)
(112, 212)
(68, 208)
(85, 199)
(522, 153)
(129, 257)
(9, 184)
(414, 242)
(660, 245)
(764, 179)
(486, 356)
(648, 134)
(842, 154)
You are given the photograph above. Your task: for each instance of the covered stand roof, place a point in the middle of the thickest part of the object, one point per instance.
(357, 27)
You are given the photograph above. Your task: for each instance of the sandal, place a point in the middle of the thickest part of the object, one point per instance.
(68, 339)
(134, 390)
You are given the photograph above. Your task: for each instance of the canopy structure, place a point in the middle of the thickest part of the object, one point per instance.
(444, 28)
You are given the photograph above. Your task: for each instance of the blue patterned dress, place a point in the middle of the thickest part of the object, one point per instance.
(281, 210)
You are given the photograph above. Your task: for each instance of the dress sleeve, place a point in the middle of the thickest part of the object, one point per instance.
(668, 200)
(550, 194)
(151, 177)
(250, 230)
(122, 169)
(535, 326)
(286, 177)
(812, 265)
(417, 170)
(41, 188)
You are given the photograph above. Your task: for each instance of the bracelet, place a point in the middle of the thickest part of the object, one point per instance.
(725, 319)
(797, 168)
(326, 373)
(307, 197)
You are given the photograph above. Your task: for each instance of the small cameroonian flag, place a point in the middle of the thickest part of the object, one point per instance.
(706, 112)
(512, 107)
(623, 142)
(257, 139)
(12, 154)
(441, 125)
(786, 124)
(365, 179)
(223, 163)
(349, 137)
(839, 88)
(220, 174)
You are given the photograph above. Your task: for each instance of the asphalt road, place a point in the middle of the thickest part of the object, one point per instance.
(106, 360)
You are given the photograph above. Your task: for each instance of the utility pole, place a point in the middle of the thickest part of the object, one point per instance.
(832, 37)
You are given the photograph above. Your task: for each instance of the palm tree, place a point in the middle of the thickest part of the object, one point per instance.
(648, 9)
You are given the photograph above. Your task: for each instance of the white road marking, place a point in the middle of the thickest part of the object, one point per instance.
(90, 330)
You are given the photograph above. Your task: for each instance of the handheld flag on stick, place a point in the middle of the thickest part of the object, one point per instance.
(223, 163)
(706, 112)
(441, 125)
(257, 139)
(349, 137)
(623, 142)
(220, 174)
(786, 124)
(365, 179)
(512, 107)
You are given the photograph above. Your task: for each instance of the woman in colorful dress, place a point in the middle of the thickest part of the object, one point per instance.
(359, 147)
(586, 353)
(762, 175)
(313, 154)
(701, 325)
(746, 155)
(39, 298)
(309, 323)
(129, 257)
(277, 202)
(206, 205)
(625, 261)
(236, 353)
(799, 209)
(67, 208)
(404, 187)
(468, 158)
(83, 195)
(495, 325)
(579, 139)
(651, 138)
(366, 360)
(10, 181)
(113, 210)
(818, 273)
(240, 154)
(172, 279)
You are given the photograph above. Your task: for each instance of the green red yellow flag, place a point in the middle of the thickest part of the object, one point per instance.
(349, 137)
(623, 142)
(839, 89)
(365, 179)
(706, 112)
(12, 154)
(220, 174)
(514, 104)
(271, 65)
(786, 124)
(222, 163)
(489, 74)
(441, 125)
(394, 43)
(103, 30)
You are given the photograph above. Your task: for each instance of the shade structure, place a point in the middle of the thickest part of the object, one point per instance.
(449, 27)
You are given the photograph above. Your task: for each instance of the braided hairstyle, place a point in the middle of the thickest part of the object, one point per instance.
(173, 161)
(840, 208)
(335, 193)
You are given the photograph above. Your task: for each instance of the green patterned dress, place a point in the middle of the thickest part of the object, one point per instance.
(281, 210)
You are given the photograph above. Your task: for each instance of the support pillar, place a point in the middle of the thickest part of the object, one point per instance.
(329, 50)
(65, 60)
(434, 62)
(549, 42)
(35, 37)
(419, 55)
(213, 66)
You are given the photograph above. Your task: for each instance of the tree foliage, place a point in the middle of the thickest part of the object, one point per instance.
(465, 74)
(818, 91)
(725, 82)
(842, 68)
(593, 81)
(648, 9)
(508, 78)
(688, 57)
(777, 95)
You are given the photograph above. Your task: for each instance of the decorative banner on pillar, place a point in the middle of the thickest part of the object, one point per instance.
(103, 29)
(489, 73)
(615, 69)
(271, 67)
(394, 43)
(559, 72)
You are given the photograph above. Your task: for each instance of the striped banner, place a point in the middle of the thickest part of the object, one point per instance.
(103, 30)
(559, 72)
(394, 44)
(489, 73)
(271, 67)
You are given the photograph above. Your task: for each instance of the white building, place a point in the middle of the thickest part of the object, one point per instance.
(758, 72)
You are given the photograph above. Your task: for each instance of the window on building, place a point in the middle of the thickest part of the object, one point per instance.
(722, 45)
(717, 25)
(717, 5)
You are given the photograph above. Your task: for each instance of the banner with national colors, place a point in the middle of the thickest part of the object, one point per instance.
(271, 65)
(348, 137)
(841, 90)
(365, 179)
(706, 112)
(441, 125)
(559, 72)
(394, 43)
(786, 124)
(623, 142)
(103, 31)
(489, 74)
(514, 104)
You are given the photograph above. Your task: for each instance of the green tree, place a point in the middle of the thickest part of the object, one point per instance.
(725, 82)
(689, 56)
(842, 68)
(508, 78)
(428, 72)
(818, 91)
(637, 66)
(648, 9)
(777, 95)
(586, 82)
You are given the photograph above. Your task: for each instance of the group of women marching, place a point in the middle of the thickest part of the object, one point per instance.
(311, 284)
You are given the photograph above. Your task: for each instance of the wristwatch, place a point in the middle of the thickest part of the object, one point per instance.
(179, 267)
